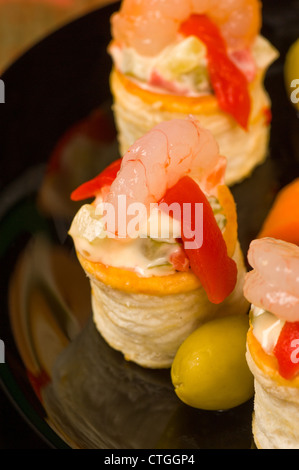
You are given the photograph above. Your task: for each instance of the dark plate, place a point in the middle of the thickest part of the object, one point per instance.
(64, 379)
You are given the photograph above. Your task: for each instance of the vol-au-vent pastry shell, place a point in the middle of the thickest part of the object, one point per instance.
(276, 402)
(148, 318)
(150, 292)
(137, 110)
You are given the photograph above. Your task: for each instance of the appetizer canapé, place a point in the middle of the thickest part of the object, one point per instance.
(151, 290)
(273, 341)
(204, 57)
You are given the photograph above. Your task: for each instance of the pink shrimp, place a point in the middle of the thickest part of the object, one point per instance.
(149, 26)
(159, 159)
(273, 284)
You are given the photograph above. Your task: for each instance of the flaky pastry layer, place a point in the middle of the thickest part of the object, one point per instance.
(137, 110)
(275, 422)
(147, 321)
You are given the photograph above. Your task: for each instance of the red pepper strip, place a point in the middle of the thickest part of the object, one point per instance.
(210, 261)
(93, 187)
(286, 350)
(229, 83)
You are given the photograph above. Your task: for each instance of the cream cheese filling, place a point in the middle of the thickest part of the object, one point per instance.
(146, 254)
(266, 328)
(181, 67)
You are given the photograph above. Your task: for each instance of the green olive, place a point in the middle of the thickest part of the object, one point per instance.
(210, 371)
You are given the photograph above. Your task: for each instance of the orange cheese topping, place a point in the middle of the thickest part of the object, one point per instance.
(267, 362)
(206, 104)
(179, 282)
(130, 282)
(198, 105)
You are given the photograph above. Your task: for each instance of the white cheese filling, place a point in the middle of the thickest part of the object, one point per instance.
(145, 254)
(181, 67)
(266, 328)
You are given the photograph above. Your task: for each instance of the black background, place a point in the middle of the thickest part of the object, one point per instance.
(15, 432)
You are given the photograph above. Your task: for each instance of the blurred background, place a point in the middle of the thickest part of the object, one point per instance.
(25, 22)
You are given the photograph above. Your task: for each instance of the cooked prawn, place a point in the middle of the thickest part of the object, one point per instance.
(273, 284)
(159, 159)
(150, 25)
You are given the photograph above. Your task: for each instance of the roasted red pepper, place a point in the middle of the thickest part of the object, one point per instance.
(286, 350)
(93, 187)
(210, 262)
(228, 82)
